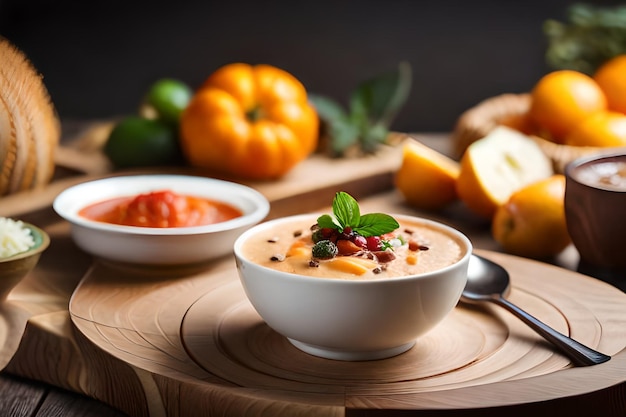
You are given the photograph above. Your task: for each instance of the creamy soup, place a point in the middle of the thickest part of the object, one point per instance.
(416, 249)
(609, 175)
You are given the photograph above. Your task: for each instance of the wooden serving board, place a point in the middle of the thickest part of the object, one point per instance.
(195, 332)
(185, 342)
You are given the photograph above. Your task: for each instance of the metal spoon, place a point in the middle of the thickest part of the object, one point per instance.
(488, 281)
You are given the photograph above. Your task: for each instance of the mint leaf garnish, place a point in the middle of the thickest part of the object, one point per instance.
(346, 210)
(326, 221)
(347, 213)
(376, 224)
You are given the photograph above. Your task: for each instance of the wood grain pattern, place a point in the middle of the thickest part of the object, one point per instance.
(200, 326)
(180, 342)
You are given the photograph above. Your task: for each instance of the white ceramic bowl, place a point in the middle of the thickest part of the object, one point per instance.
(352, 319)
(159, 246)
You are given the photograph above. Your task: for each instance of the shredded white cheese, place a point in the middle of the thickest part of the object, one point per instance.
(14, 237)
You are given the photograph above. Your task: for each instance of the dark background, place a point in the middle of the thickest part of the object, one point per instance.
(99, 57)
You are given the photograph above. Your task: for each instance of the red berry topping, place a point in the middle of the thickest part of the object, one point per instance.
(373, 243)
(360, 241)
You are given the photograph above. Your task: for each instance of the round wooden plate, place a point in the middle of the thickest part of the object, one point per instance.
(197, 328)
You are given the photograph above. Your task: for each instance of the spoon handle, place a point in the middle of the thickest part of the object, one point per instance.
(580, 354)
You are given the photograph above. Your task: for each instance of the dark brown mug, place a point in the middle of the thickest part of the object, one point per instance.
(595, 209)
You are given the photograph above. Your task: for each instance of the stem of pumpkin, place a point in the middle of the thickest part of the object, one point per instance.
(254, 114)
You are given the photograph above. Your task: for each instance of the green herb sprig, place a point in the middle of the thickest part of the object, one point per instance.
(590, 35)
(346, 213)
(364, 124)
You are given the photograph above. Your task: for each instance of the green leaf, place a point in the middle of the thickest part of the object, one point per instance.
(347, 214)
(382, 97)
(343, 133)
(327, 108)
(589, 37)
(372, 136)
(376, 224)
(326, 221)
(373, 106)
(346, 210)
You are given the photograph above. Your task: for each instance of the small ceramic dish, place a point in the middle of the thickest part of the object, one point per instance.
(153, 245)
(14, 268)
(349, 319)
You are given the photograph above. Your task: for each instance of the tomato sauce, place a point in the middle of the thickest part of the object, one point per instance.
(160, 209)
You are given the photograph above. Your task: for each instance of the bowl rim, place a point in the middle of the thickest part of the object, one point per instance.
(41, 244)
(340, 281)
(587, 160)
(261, 205)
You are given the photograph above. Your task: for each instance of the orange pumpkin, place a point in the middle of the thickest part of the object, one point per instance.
(249, 121)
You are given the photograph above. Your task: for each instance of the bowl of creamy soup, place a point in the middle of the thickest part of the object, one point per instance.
(337, 294)
(159, 219)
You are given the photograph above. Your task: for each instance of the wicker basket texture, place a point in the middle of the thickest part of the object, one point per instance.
(511, 110)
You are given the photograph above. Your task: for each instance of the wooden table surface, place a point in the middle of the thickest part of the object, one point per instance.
(21, 397)
(24, 397)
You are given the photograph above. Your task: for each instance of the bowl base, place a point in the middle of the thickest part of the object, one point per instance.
(347, 355)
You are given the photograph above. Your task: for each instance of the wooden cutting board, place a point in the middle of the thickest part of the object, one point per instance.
(196, 332)
(187, 342)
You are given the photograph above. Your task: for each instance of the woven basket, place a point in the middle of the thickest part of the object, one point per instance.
(29, 126)
(512, 110)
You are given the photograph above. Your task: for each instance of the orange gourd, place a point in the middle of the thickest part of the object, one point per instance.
(249, 121)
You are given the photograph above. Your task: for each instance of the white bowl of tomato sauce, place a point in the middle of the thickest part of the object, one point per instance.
(159, 219)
